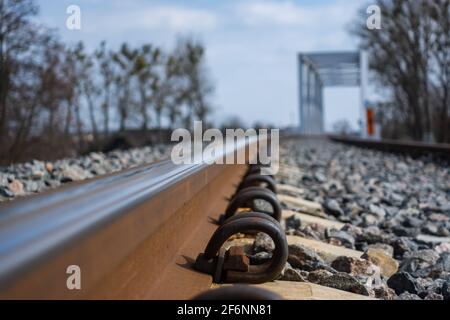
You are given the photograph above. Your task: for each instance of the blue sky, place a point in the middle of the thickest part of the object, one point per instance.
(251, 45)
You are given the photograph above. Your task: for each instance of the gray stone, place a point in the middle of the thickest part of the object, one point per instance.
(384, 292)
(317, 276)
(308, 232)
(402, 282)
(386, 248)
(320, 177)
(377, 210)
(441, 266)
(52, 183)
(34, 186)
(388, 266)
(353, 266)
(401, 231)
(352, 230)
(431, 228)
(408, 296)
(369, 220)
(345, 282)
(428, 256)
(293, 222)
(51, 175)
(37, 174)
(438, 217)
(303, 258)
(333, 208)
(291, 274)
(403, 245)
(422, 263)
(3, 180)
(345, 238)
(371, 235)
(446, 290)
(260, 257)
(72, 174)
(434, 296)
(432, 239)
(412, 222)
(431, 285)
(5, 192)
(263, 243)
(396, 199)
(443, 231)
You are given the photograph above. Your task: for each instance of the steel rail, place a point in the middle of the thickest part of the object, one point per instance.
(407, 147)
(133, 234)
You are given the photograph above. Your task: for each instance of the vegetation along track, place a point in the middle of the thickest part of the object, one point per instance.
(153, 232)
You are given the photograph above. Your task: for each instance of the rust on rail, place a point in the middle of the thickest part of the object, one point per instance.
(134, 234)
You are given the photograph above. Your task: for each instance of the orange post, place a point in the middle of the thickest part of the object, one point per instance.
(370, 122)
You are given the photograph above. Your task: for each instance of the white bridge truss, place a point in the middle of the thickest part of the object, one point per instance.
(327, 69)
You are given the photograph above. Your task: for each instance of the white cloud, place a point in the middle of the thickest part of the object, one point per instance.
(165, 19)
(281, 13)
(176, 18)
(288, 13)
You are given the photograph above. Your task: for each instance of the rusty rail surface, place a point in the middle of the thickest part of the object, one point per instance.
(134, 234)
(407, 147)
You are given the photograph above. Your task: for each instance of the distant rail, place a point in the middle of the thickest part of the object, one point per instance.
(407, 147)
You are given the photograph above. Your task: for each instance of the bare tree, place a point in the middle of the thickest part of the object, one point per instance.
(16, 35)
(125, 60)
(404, 54)
(172, 90)
(104, 60)
(194, 84)
(146, 65)
(440, 65)
(342, 127)
(53, 85)
(48, 88)
(87, 85)
(233, 122)
(69, 71)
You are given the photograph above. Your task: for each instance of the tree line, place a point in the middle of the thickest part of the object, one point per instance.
(57, 98)
(410, 56)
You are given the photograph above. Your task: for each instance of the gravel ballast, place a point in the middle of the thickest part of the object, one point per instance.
(36, 176)
(396, 210)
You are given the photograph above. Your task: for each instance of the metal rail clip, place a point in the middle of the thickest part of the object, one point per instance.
(256, 168)
(255, 179)
(233, 266)
(245, 198)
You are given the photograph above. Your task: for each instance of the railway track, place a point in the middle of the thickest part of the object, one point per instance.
(162, 231)
(407, 147)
